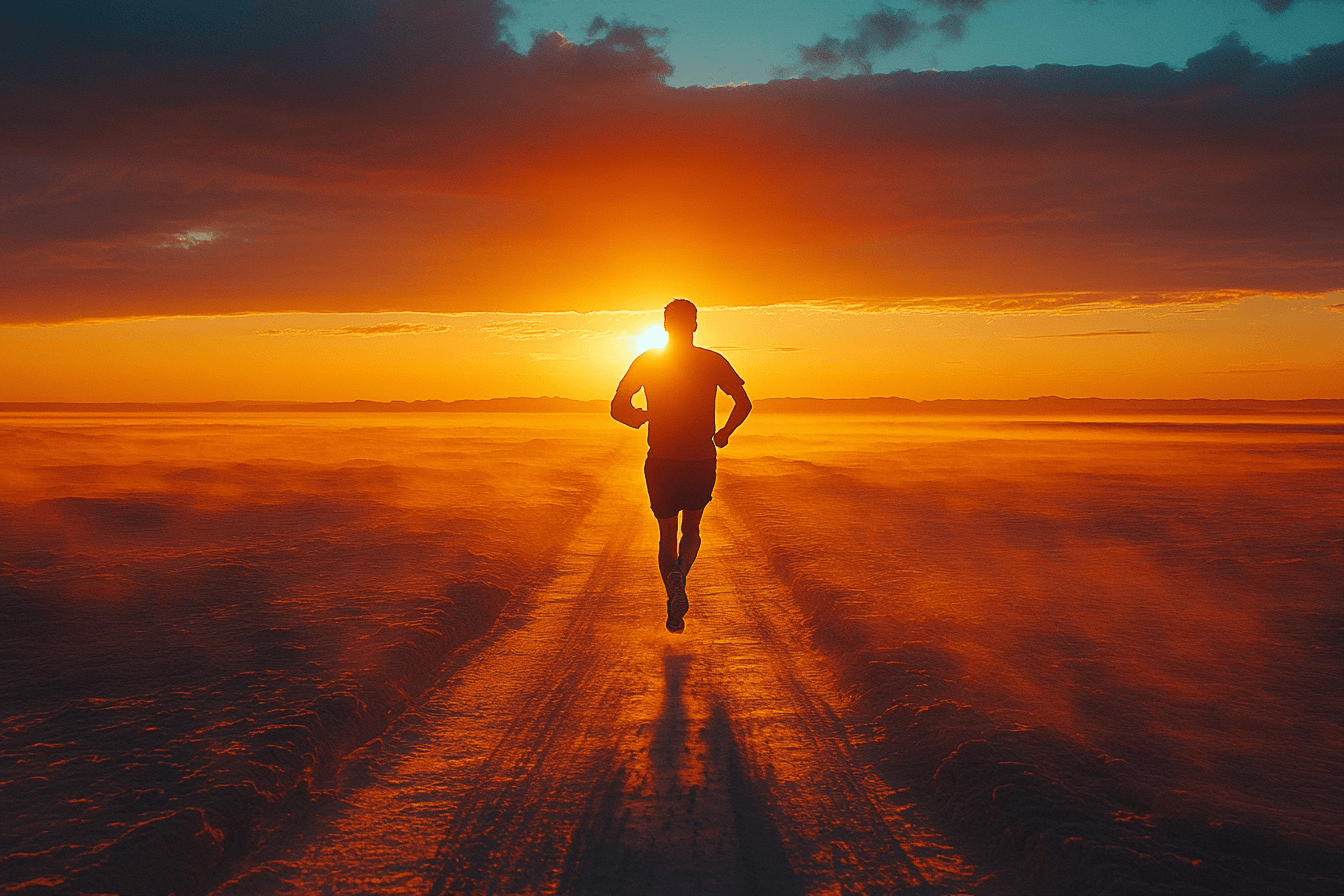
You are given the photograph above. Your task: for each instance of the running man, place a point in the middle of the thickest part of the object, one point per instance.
(680, 383)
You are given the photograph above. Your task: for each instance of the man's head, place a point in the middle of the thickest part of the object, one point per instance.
(679, 318)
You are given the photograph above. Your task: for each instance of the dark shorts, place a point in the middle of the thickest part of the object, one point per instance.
(677, 485)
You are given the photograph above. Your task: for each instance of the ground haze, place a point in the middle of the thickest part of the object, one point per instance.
(265, 652)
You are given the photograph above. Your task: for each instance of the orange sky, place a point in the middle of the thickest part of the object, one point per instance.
(1263, 347)
(934, 234)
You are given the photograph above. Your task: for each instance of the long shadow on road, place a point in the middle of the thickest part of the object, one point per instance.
(692, 821)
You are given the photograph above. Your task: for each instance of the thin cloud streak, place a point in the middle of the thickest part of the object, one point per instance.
(1059, 303)
(373, 330)
(1090, 334)
(1247, 371)
(524, 331)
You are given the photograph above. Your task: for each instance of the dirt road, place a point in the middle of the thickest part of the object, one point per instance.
(586, 750)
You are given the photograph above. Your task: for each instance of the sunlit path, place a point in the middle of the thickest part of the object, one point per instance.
(585, 750)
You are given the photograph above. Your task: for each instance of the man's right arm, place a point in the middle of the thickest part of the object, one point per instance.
(621, 407)
(741, 408)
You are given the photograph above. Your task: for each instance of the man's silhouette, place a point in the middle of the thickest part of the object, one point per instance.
(680, 383)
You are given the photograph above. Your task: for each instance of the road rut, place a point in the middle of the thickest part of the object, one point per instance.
(586, 750)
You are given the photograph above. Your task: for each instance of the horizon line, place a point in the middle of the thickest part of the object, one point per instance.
(559, 404)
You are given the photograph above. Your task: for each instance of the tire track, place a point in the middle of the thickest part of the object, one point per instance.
(846, 826)
(586, 750)
(514, 829)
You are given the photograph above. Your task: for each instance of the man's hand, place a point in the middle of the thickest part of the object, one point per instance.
(632, 417)
(741, 408)
(623, 410)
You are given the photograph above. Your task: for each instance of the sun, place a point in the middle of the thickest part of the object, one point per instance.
(652, 337)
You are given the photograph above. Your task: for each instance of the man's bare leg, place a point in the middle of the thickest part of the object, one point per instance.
(690, 538)
(667, 545)
(670, 554)
(673, 581)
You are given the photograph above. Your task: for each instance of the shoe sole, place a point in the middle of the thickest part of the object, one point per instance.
(675, 624)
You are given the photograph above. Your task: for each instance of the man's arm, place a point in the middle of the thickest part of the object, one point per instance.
(741, 408)
(621, 408)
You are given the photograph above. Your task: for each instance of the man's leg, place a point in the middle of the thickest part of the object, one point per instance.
(673, 581)
(667, 545)
(690, 538)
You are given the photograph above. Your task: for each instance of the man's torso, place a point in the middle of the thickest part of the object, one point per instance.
(680, 387)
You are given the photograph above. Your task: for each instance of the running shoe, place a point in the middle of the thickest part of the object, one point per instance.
(675, 624)
(677, 604)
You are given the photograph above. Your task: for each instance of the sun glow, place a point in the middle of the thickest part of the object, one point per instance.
(652, 337)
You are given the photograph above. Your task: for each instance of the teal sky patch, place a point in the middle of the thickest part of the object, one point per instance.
(729, 41)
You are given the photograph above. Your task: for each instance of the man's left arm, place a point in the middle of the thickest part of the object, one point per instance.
(622, 408)
(741, 408)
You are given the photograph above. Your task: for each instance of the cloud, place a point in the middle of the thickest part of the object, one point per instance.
(1274, 7)
(952, 26)
(779, 349)
(523, 331)
(1252, 370)
(958, 6)
(402, 156)
(876, 33)
(1092, 333)
(190, 238)
(1339, 307)
(1056, 303)
(614, 49)
(390, 329)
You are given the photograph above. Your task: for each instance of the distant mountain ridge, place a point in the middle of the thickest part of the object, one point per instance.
(545, 405)
(1049, 405)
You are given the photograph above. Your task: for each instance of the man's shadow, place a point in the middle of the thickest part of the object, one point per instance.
(614, 858)
(669, 748)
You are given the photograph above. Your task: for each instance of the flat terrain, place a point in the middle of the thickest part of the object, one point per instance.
(586, 750)
(255, 653)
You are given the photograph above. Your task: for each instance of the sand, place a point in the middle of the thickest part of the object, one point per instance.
(261, 653)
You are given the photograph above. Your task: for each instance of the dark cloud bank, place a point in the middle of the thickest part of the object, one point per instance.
(352, 156)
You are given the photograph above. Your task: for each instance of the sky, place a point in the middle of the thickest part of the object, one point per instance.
(413, 200)
(716, 42)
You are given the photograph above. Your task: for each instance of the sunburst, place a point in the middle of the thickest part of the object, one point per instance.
(652, 337)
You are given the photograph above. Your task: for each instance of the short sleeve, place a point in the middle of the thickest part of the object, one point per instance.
(634, 377)
(727, 377)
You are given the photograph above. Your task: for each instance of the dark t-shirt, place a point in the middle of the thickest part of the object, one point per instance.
(680, 386)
